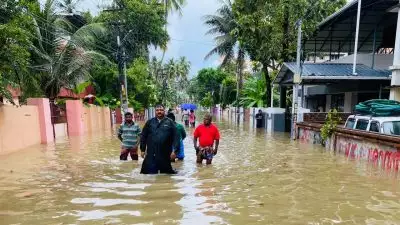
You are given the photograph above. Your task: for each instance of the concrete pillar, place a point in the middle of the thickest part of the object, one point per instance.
(395, 83)
(282, 97)
(348, 97)
(328, 103)
(75, 117)
(46, 128)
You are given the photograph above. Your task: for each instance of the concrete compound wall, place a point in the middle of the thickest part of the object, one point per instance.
(19, 128)
(357, 146)
(87, 118)
(24, 126)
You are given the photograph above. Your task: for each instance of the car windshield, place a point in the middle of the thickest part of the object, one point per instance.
(350, 123)
(391, 128)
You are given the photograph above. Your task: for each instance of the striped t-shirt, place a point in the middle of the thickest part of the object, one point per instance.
(130, 134)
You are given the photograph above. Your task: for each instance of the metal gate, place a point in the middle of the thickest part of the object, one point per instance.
(58, 115)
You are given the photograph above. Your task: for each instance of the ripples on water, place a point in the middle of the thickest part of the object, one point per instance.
(256, 178)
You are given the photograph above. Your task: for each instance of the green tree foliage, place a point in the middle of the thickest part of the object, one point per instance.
(139, 23)
(208, 81)
(141, 86)
(61, 58)
(223, 25)
(15, 42)
(266, 29)
(171, 79)
(207, 101)
(228, 91)
(331, 122)
(254, 92)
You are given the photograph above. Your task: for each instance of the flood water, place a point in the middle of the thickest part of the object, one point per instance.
(256, 178)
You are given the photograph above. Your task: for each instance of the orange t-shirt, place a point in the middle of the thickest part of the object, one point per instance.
(206, 135)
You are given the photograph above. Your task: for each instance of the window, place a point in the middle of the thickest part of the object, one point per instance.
(337, 102)
(362, 124)
(391, 128)
(374, 127)
(350, 123)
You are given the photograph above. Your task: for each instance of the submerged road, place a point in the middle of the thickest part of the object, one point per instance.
(256, 178)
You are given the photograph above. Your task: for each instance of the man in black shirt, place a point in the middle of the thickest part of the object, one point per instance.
(259, 119)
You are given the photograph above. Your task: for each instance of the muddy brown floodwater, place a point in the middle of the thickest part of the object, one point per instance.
(256, 178)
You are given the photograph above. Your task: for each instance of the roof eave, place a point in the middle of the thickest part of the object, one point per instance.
(340, 11)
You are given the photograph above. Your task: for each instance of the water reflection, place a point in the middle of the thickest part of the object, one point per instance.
(256, 178)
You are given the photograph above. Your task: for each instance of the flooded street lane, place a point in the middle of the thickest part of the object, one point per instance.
(256, 178)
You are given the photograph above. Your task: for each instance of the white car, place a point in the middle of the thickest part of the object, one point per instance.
(383, 125)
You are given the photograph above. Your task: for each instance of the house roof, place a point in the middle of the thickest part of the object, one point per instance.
(321, 72)
(336, 33)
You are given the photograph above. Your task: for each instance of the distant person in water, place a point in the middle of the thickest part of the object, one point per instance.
(159, 144)
(208, 136)
(192, 118)
(259, 119)
(128, 134)
(182, 135)
(185, 117)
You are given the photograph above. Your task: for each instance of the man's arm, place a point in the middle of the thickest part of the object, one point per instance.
(175, 136)
(217, 137)
(143, 136)
(139, 132)
(216, 146)
(195, 143)
(195, 137)
(120, 133)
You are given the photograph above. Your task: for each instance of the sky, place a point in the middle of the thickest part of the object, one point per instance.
(187, 32)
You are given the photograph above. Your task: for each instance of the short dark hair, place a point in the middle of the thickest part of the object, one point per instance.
(160, 106)
(171, 116)
(128, 114)
(208, 115)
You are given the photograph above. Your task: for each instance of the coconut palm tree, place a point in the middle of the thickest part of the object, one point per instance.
(67, 6)
(173, 5)
(61, 58)
(222, 25)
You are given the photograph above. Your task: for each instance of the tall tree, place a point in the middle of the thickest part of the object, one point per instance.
(224, 25)
(173, 5)
(61, 58)
(140, 24)
(267, 28)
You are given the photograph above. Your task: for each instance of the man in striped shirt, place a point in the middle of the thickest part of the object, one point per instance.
(128, 134)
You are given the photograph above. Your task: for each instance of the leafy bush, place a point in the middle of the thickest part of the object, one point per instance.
(330, 124)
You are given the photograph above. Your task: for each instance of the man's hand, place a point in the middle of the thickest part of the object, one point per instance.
(173, 155)
(215, 151)
(143, 154)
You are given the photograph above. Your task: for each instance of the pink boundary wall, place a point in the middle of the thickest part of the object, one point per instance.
(46, 129)
(75, 117)
(86, 119)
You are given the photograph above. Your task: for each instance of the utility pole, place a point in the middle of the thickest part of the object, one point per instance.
(296, 81)
(356, 39)
(121, 60)
(122, 75)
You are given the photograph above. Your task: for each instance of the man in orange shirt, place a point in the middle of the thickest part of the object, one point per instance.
(207, 133)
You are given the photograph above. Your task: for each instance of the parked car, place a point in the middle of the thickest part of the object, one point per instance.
(383, 125)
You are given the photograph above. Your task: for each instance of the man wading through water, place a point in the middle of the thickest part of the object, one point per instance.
(128, 134)
(207, 133)
(158, 144)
